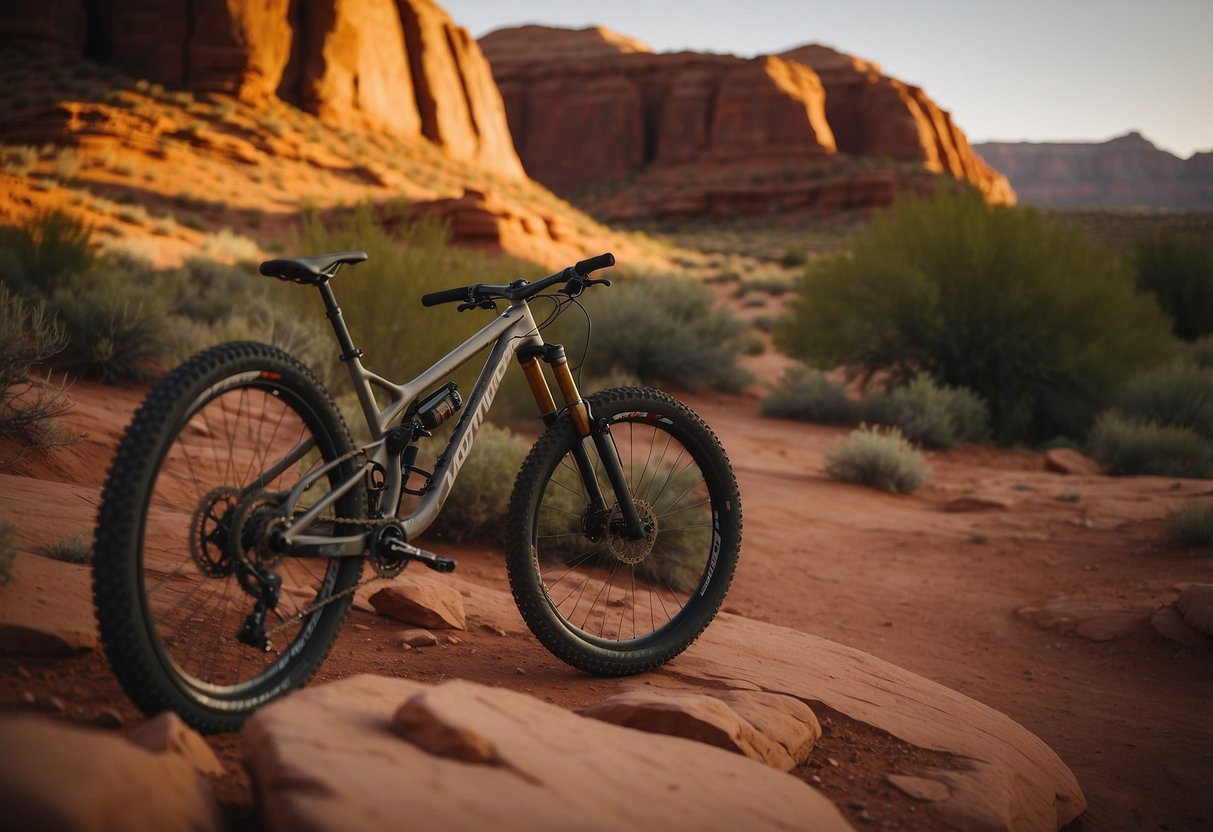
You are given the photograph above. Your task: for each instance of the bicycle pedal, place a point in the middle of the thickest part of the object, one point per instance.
(407, 550)
(438, 563)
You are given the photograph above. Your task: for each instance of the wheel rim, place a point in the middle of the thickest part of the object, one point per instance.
(619, 593)
(189, 587)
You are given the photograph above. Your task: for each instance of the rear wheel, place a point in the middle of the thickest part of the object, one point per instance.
(598, 600)
(181, 531)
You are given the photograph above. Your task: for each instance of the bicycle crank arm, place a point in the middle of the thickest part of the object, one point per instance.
(400, 549)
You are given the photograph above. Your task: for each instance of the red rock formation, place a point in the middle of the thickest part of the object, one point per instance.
(875, 115)
(401, 65)
(590, 106)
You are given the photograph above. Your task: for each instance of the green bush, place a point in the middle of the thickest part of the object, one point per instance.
(41, 254)
(1179, 395)
(882, 459)
(1192, 526)
(381, 298)
(809, 395)
(1129, 447)
(28, 337)
(1038, 322)
(76, 548)
(1178, 271)
(934, 415)
(1200, 352)
(477, 503)
(114, 332)
(663, 330)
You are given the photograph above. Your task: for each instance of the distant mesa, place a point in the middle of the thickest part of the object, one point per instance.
(626, 132)
(1125, 173)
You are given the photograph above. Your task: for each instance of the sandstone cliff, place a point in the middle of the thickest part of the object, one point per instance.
(630, 133)
(400, 65)
(1127, 172)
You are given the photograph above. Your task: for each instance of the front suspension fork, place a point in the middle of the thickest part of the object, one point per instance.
(598, 431)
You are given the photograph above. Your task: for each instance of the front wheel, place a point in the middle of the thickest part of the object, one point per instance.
(598, 600)
(192, 489)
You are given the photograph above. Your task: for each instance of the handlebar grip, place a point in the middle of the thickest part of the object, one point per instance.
(446, 296)
(593, 264)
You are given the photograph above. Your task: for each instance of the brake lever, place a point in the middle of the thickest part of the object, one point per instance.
(579, 284)
(483, 303)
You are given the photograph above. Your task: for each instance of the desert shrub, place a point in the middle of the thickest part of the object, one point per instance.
(1178, 271)
(883, 459)
(114, 332)
(808, 394)
(663, 330)
(793, 257)
(20, 160)
(1129, 447)
(28, 337)
(227, 246)
(67, 164)
(1037, 321)
(935, 415)
(1179, 395)
(1192, 526)
(8, 553)
(477, 503)
(45, 251)
(76, 548)
(381, 298)
(1200, 352)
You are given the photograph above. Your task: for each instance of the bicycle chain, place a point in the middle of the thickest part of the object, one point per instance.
(369, 523)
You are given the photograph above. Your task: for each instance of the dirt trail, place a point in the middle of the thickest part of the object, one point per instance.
(931, 590)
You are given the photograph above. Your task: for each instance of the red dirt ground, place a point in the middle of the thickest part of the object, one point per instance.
(930, 590)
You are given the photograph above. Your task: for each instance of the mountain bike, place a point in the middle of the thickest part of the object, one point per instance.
(237, 514)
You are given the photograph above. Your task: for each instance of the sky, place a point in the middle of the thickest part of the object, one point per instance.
(1030, 70)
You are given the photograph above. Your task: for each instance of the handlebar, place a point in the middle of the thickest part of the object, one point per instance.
(574, 277)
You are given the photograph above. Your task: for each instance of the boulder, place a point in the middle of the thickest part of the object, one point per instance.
(1068, 461)
(348, 754)
(1196, 604)
(421, 601)
(1092, 620)
(781, 734)
(1169, 623)
(167, 734)
(63, 778)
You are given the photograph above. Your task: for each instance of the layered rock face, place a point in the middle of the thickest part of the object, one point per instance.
(589, 107)
(875, 115)
(401, 65)
(1127, 172)
(595, 106)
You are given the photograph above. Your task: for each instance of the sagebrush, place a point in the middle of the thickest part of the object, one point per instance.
(1036, 320)
(881, 458)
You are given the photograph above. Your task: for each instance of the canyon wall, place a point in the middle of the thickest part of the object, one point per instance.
(400, 65)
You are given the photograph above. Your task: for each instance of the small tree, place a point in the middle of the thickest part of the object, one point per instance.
(1178, 272)
(1032, 317)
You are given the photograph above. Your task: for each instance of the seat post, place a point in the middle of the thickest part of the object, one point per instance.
(333, 312)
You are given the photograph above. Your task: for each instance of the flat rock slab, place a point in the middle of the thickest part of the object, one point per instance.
(362, 753)
(46, 608)
(423, 602)
(778, 731)
(1092, 620)
(1067, 461)
(1007, 778)
(60, 777)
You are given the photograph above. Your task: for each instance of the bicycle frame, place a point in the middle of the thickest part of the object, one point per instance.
(510, 332)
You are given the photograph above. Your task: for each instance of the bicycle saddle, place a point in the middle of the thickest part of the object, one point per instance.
(310, 270)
